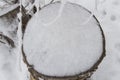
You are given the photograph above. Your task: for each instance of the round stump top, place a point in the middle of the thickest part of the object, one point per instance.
(59, 42)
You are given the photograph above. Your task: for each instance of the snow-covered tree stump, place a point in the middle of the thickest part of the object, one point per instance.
(61, 43)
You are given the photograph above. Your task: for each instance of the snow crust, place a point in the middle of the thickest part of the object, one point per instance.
(64, 47)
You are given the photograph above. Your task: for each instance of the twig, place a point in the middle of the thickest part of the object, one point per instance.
(2, 42)
(12, 2)
(9, 41)
(51, 1)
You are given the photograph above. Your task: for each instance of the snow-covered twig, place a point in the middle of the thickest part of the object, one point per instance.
(19, 35)
(7, 40)
(10, 1)
(51, 1)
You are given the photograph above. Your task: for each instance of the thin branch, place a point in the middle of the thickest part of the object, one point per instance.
(7, 39)
(2, 42)
(52, 1)
(11, 2)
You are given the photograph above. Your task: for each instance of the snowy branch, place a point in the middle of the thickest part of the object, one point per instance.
(7, 40)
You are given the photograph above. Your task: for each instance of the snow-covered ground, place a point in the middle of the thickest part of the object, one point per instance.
(108, 13)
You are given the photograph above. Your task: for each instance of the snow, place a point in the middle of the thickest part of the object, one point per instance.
(8, 64)
(64, 47)
(109, 17)
(63, 2)
(109, 68)
(8, 68)
(11, 65)
(6, 9)
(108, 14)
(8, 23)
